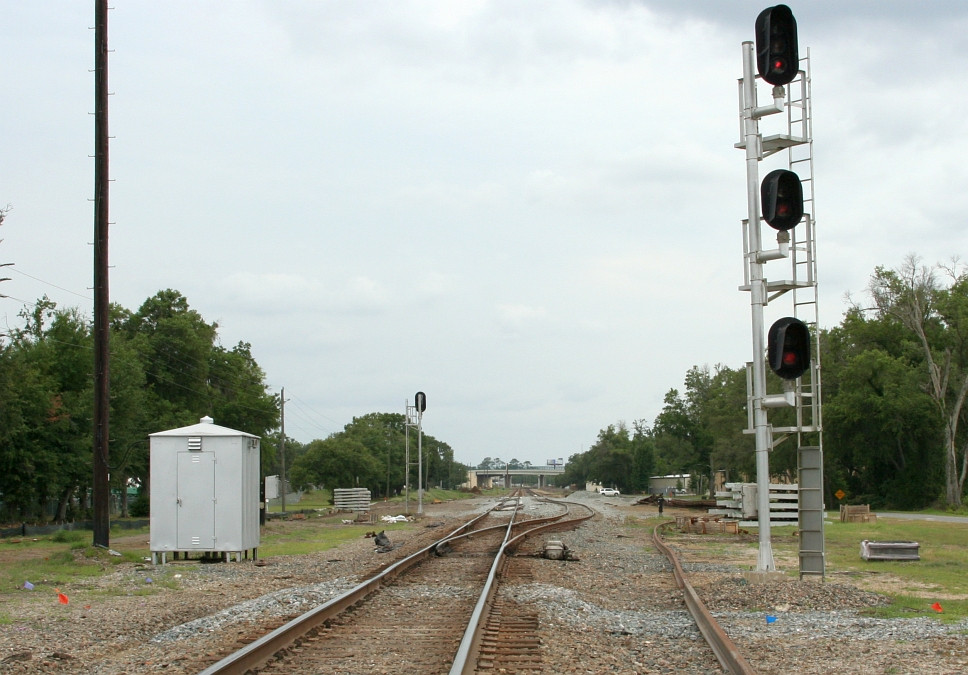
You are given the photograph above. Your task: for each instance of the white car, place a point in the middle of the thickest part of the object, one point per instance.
(610, 492)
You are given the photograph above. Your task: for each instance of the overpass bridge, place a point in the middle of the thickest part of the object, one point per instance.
(485, 478)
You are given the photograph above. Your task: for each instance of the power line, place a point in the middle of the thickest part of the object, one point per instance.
(43, 281)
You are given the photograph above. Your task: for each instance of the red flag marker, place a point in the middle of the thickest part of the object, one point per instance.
(937, 607)
(61, 598)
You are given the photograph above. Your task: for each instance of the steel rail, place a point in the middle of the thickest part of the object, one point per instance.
(725, 650)
(262, 650)
(530, 524)
(465, 661)
(470, 643)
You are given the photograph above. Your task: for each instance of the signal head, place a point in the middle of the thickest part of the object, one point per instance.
(781, 197)
(777, 52)
(788, 348)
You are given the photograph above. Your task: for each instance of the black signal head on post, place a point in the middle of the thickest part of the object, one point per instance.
(777, 53)
(781, 196)
(420, 401)
(788, 348)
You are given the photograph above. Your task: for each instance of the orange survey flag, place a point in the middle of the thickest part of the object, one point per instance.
(61, 598)
(937, 607)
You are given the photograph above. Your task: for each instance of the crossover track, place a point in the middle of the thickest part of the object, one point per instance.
(414, 615)
(438, 611)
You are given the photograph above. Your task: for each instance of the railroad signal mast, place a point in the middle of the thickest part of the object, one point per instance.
(414, 418)
(783, 201)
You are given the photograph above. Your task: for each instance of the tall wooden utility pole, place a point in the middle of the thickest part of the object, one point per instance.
(102, 489)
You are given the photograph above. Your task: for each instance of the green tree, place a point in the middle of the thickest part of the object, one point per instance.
(384, 437)
(375, 447)
(130, 423)
(611, 456)
(24, 402)
(937, 317)
(732, 451)
(337, 462)
(674, 430)
(618, 457)
(166, 371)
(65, 355)
(884, 427)
(49, 451)
(643, 457)
(174, 343)
(489, 464)
(577, 470)
(238, 393)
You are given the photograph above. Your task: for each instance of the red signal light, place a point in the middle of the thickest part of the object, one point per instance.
(777, 52)
(788, 348)
(781, 198)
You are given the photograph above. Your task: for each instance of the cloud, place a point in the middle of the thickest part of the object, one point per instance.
(275, 293)
(515, 318)
(532, 211)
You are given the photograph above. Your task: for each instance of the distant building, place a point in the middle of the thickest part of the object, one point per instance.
(539, 476)
(669, 484)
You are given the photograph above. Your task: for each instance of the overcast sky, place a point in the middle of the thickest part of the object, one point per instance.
(529, 210)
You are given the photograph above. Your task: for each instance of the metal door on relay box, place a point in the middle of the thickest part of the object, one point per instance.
(196, 500)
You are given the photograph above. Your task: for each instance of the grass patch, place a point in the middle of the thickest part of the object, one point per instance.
(312, 499)
(60, 558)
(311, 536)
(70, 536)
(51, 564)
(65, 557)
(913, 586)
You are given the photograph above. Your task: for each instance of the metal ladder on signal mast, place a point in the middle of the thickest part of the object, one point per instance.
(804, 290)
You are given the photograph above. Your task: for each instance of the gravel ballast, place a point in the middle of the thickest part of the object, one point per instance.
(615, 609)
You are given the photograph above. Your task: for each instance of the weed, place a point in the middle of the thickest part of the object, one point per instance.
(69, 536)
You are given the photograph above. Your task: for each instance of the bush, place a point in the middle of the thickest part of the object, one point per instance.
(68, 536)
(141, 506)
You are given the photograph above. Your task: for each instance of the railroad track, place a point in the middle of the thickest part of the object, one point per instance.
(438, 611)
(726, 652)
(411, 616)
